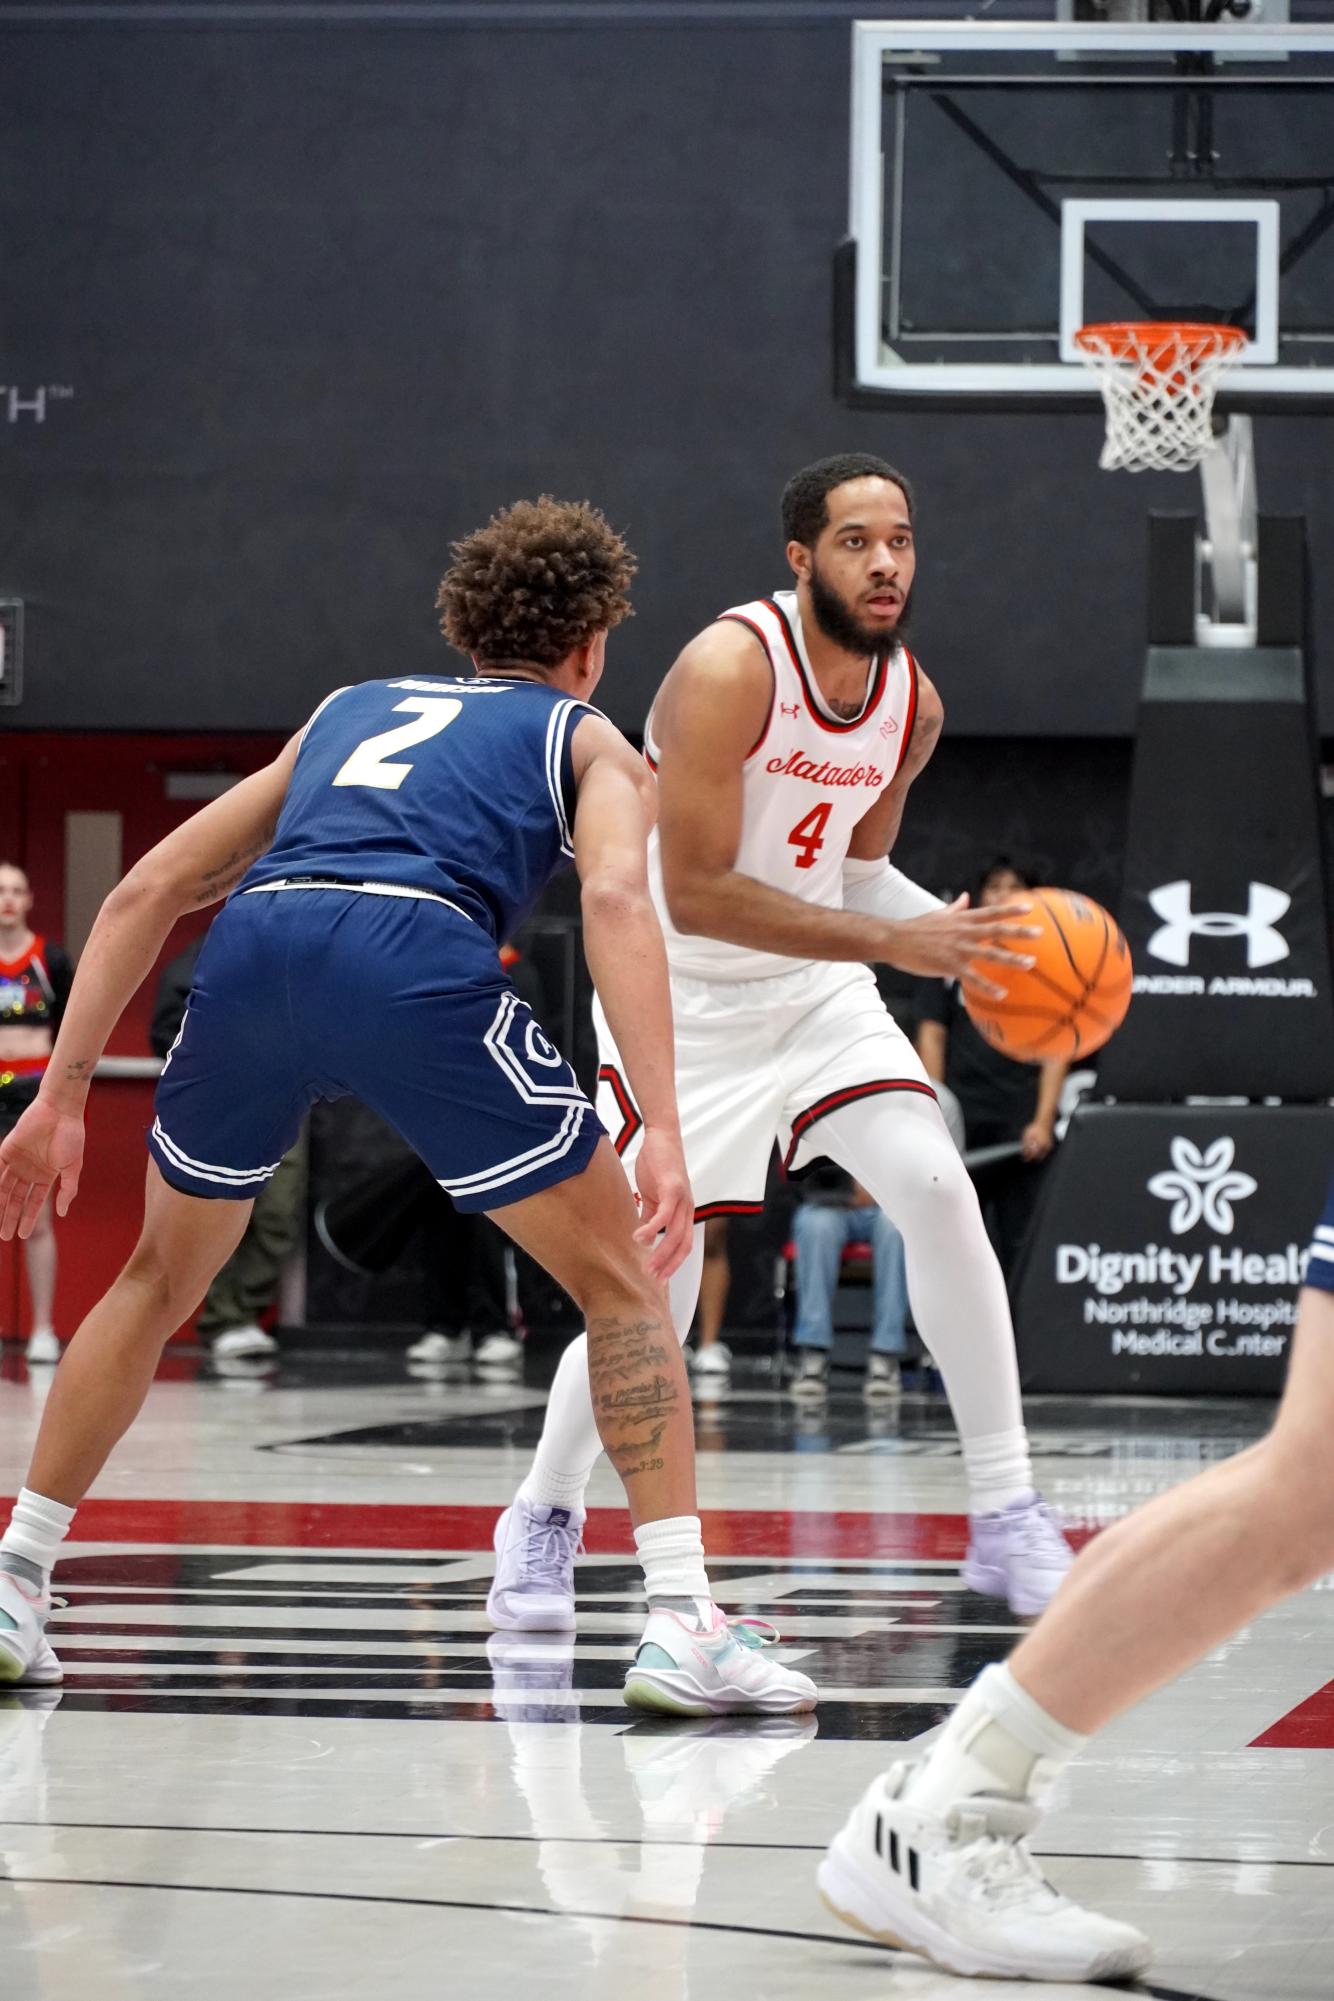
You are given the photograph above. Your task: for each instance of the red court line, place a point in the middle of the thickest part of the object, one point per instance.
(343, 1525)
(1308, 1727)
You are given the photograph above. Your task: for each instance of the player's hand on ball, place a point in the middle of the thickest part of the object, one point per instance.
(946, 944)
(45, 1146)
(668, 1207)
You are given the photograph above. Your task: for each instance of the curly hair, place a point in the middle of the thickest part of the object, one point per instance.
(806, 495)
(541, 578)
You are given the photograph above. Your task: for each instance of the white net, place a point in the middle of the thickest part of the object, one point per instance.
(1158, 384)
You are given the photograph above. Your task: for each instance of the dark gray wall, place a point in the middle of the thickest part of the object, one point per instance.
(325, 296)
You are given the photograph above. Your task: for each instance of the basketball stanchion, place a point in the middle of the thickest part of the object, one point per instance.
(1165, 1254)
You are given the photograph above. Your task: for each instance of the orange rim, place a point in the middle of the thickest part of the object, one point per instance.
(1128, 340)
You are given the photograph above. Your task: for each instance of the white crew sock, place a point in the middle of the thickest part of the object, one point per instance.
(998, 1741)
(36, 1530)
(569, 1447)
(547, 1487)
(672, 1554)
(999, 1470)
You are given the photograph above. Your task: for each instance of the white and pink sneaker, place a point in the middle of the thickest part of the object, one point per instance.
(685, 1668)
(25, 1653)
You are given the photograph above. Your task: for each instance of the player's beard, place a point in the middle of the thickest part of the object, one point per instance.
(842, 626)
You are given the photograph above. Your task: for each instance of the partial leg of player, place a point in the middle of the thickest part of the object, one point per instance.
(692, 1660)
(97, 1393)
(1217, 1550)
(897, 1146)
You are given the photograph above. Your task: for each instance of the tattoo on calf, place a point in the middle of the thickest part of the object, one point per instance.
(635, 1402)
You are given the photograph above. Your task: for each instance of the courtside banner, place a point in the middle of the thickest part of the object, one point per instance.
(1225, 903)
(1169, 1249)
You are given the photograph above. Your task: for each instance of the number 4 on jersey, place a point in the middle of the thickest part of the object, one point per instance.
(808, 834)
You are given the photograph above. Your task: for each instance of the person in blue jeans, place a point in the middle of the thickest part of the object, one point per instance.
(835, 1212)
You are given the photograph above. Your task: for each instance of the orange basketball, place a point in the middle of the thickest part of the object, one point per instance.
(1075, 996)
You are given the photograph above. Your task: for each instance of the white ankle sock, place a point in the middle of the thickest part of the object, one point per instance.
(672, 1553)
(997, 1741)
(998, 1469)
(547, 1487)
(36, 1529)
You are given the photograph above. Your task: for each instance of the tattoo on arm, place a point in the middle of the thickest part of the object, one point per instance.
(216, 882)
(78, 1069)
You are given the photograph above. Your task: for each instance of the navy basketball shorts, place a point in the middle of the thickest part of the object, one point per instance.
(1320, 1261)
(314, 992)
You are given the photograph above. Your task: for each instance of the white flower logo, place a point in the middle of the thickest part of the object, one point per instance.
(1202, 1185)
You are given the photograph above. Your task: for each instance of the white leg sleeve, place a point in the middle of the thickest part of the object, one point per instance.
(569, 1446)
(897, 1146)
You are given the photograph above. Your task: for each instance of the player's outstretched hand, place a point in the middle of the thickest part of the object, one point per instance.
(668, 1207)
(45, 1147)
(946, 944)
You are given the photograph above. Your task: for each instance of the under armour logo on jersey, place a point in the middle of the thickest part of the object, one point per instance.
(1264, 944)
(888, 727)
(790, 708)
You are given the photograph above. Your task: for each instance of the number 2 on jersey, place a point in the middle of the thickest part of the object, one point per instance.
(808, 834)
(368, 763)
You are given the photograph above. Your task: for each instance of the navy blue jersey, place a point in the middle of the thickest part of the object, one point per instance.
(1320, 1263)
(457, 786)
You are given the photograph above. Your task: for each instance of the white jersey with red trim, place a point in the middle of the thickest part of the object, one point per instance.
(807, 781)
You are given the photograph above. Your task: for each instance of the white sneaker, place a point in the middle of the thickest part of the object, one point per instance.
(43, 1346)
(533, 1588)
(715, 1360)
(962, 1889)
(436, 1347)
(25, 1652)
(810, 1381)
(498, 1351)
(237, 1344)
(719, 1670)
(884, 1379)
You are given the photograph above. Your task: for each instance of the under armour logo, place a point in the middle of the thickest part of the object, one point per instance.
(790, 709)
(1264, 945)
(888, 727)
(1202, 1185)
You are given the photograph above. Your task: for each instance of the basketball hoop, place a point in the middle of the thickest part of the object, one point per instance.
(1158, 380)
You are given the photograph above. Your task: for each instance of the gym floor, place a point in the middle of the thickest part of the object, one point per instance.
(289, 1759)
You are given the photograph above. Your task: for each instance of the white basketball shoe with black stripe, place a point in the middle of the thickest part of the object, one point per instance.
(962, 1889)
(25, 1652)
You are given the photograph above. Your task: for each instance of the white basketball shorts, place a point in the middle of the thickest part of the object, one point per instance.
(759, 1061)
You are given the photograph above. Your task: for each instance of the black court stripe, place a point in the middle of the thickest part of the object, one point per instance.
(1054, 1855)
(840, 1943)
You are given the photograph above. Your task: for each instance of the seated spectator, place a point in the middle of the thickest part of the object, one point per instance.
(1004, 1103)
(834, 1213)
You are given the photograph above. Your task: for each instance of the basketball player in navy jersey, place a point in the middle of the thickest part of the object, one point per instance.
(785, 739)
(387, 852)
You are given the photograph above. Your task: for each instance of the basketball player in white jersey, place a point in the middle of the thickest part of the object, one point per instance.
(785, 738)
